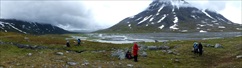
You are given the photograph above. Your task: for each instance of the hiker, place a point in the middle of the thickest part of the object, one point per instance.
(200, 48)
(128, 55)
(78, 41)
(135, 52)
(195, 47)
(68, 44)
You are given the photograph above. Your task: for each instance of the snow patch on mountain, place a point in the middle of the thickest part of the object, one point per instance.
(222, 27)
(193, 16)
(16, 28)
(162, 26)
(164, 16)
(1, 23)
(175, 24)
(138, 19)
(151, 19)
(146, 18)
(207, 14)
(202, 31)
(160, 9)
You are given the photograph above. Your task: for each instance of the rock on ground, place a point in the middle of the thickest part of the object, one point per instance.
(130, 65)
(29, 54)
(119, 53)
(143, 54)
(72, 63)
(163, 47)
(218, 46)
(152, 47)
(59, 53)
(239, 56)
(169, 51)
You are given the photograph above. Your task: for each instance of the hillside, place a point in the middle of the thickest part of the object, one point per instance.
(49, 51)
(13, 25)
(174, 16)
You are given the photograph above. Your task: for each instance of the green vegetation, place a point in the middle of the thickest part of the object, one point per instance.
(11, 56)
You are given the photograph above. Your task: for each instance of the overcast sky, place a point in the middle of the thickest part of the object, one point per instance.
(98, 14)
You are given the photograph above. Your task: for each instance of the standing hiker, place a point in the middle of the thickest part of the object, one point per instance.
(135, 52)
(78, 42)
(68, 44)
(200, 48)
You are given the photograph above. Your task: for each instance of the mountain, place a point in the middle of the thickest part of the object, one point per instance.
(174, 16)
(13, 25)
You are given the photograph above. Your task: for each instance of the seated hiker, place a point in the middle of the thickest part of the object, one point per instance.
(128, 55)
(78, 41)
(68, 44)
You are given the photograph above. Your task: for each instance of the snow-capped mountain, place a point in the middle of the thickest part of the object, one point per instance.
(175, 16)
(13, 25)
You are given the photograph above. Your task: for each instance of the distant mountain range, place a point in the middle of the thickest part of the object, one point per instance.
(13, 25)
(174, 16)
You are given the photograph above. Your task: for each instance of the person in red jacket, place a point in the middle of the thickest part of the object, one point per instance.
(135, 52)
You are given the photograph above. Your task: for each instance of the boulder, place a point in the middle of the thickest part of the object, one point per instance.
(169, 52)
(218, 46)
(142, 47)
(152, 47)
(59, 53)
(29, 54)
(119, 53)
(239, 56)
(72, 63)
(26, 38)
(208, 45)
(176, 61)
(85, 62)
(143, 54)
(163, 47)
(130, 65)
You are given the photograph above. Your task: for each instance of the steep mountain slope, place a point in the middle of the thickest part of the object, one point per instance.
(174, 16)
(13, 25)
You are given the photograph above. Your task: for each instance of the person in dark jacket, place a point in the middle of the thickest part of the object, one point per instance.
(128, 55)
(195, 47)
(78, 42)
(200, 48)
(68, 44)
(135, 52)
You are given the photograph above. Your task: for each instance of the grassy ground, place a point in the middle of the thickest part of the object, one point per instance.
(11, 56)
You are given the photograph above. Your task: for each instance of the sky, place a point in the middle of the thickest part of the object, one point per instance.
(89, 15)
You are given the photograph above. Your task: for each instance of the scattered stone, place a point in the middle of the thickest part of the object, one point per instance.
(218, 46)
(85, 63)
(177, 46)
(164, 51)
(29, 54)
(119, 53)
(239, 56)
(143, 54)
(142, 47)
(59, 53)
(152, 47)
(176, 61)
(130, 65)
(72, 63)
(26, 38)
(163, 47)
(169, 52)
